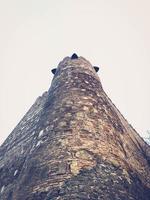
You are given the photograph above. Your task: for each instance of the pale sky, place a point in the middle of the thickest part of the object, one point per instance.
(35, 35)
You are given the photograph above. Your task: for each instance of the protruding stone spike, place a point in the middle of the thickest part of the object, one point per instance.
(96, 68)
(74, 56)
(53, 71)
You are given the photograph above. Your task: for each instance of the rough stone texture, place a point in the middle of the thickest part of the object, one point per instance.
(74, 144)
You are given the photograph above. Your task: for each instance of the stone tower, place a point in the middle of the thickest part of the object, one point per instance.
(73, 143)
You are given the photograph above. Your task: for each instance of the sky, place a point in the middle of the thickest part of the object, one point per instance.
(36, 35)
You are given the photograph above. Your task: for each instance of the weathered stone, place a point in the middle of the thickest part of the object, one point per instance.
(74, 144)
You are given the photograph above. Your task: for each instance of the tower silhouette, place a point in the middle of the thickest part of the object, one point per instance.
(73, 143)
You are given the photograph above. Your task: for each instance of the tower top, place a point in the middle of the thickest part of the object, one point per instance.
(71, 60)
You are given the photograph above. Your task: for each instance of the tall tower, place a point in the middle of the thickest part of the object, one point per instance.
(73, 143)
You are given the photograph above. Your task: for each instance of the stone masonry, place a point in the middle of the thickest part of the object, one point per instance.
(73, 144)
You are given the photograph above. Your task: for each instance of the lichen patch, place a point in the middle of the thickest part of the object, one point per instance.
(62, 123)
(83, 154)
(74, 167)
